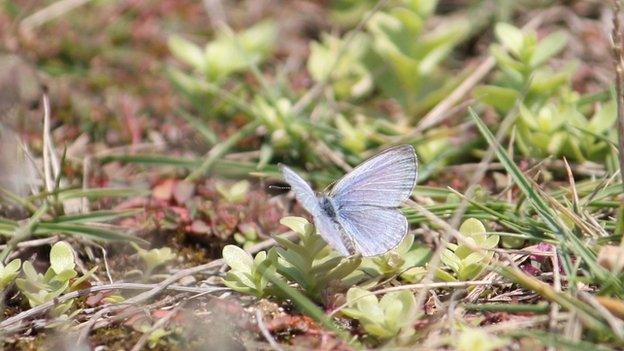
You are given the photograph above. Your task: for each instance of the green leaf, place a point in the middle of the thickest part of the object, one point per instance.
(94, 216)
(260, 38)
(78, 281)
(547, 48)
(491, 241)
(186, 52)
(473, 228)
(298, 225)
(30, 272)
(546, 82)
(424, 8)
(45, 228)
(64, 276)
(451, 260)
(604, 118)
(473, 258)
(155, 258)
(93, 194)
(238, 259)
(346, 267)
(503, 99)
(445, 276)
(511, 37)
(474, 339)
(9, 272)
(235, 193)
(62, 257)
(12, 266)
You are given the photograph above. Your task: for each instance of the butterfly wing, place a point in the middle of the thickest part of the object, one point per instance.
(374, 230)
(385, 180)
(331, 232)
(328, 229)
(303, 192)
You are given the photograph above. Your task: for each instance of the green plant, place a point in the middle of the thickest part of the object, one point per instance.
(561, 130)
(413, 55)
(311, 263)
(341, 61)
(247, 236)
(286, 131)
(153, 258)
(473, 339)
(235, 193)
(59, 278)
(406, 261)
(383, 318)
(9, 272)
(229, 52)
(246, 274)
(553, 119)
(552, 225)
(465, 263)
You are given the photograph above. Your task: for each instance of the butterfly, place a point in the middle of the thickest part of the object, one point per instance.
(360, 214)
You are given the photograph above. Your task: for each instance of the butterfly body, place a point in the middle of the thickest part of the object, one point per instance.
(328, 206)
(360, 214)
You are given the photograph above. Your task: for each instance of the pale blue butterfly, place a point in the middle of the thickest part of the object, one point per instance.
(361, 212)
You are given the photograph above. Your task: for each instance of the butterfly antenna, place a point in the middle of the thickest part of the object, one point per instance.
(330, 186)
(279, 187)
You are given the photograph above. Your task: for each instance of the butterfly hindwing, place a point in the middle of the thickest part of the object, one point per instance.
(374, 230)
(385, 180)
(331, 232)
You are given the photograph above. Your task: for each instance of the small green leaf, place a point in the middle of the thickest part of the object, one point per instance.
(235, 193)
(478, 340)
(296, 224)
(503, 99)
(237, 258)
(511, 37)
(186, 52)
(155, 258)
(473, 228)
(12, 266)
(9, 272)
(604, 119)
(547, 48)
(62, 257)
(451, 260)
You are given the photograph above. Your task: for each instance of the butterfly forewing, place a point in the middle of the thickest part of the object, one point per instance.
(303, 192)
(375, 230)
(386, 180)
